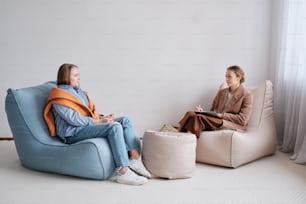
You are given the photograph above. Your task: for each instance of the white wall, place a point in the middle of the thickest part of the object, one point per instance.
(149, 59)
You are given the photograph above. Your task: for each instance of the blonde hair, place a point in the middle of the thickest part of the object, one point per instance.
(238, 72)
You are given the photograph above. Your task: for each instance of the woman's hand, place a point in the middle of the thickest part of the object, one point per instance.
(105, 119)
(109, 118)
(220, 115)
(199, 108)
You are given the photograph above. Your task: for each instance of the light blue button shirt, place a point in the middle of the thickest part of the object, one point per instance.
(67, 121)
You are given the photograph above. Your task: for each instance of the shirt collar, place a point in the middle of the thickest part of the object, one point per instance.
(68, 87)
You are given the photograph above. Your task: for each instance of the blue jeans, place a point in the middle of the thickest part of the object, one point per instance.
(120, 135)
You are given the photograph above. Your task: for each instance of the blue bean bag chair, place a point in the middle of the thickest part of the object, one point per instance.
(37, 150)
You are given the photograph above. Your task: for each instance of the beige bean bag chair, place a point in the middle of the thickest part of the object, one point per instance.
(169, 155)
(231, 148)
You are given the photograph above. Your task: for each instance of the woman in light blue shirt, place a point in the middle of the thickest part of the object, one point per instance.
(72, 127)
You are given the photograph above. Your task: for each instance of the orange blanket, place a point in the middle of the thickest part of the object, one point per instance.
(63, 97)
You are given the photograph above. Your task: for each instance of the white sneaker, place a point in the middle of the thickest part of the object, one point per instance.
(137, 166)
(130, 178)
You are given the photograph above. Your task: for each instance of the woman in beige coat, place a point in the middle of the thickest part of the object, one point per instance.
(232, 106)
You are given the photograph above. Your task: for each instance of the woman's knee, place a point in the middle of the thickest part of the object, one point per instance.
(191, 113)
(115, 125)
(125, 120)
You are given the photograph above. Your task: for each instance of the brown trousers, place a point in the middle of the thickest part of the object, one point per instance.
(196, 123)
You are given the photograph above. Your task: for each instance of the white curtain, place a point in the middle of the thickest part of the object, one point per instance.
(289, 71)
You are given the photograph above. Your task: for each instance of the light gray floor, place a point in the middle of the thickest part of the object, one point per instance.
(270, 180)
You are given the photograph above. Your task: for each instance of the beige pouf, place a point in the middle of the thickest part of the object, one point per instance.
(169, 155)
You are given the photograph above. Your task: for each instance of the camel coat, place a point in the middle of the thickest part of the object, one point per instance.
(237, 112)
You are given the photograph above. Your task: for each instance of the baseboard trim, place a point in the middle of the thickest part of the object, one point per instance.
(6, 138)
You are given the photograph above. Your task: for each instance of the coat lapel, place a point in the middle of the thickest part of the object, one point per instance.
(236, 98)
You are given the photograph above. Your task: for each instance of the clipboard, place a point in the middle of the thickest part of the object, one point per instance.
(208, 113)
